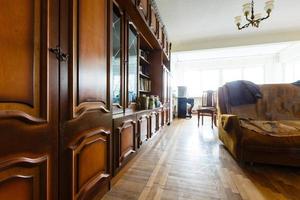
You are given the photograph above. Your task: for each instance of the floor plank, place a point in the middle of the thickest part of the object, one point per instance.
(187, 162)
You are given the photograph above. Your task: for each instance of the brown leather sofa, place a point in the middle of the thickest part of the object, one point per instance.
(265, 132)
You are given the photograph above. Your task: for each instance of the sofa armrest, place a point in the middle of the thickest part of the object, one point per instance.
(230, 133)
(229, 122)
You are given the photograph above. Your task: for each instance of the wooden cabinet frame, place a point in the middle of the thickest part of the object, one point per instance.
(118, 108)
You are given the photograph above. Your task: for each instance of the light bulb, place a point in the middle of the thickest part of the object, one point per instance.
(269, 5)
(257, 16)
(238, 19)
(247, 8)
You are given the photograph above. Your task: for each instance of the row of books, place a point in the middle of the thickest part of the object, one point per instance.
(144, 70)
(145, 84)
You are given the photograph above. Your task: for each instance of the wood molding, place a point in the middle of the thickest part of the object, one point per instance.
(83, 181)
(25, 82)
(122, 156)
(142, 119)
(83, 108)
(33, 172)
(22, 116)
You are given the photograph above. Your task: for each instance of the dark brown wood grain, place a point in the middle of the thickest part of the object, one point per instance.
(85, 153)
(58, 138)
(28, 100)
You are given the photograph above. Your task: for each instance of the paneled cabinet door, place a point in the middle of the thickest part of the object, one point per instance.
(153, 123)
(28, 99)
(158, 119)
(143, 129)
(86, 120)
(126, 141)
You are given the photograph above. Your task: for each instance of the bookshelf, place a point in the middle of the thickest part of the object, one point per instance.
(144, 71)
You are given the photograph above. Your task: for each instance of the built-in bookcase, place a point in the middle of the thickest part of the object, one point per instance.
(144, 69)
(144, 73)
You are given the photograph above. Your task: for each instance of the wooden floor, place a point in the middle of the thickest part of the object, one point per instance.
(187, 162)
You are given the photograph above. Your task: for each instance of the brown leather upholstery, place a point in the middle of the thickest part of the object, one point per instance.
(248, 140)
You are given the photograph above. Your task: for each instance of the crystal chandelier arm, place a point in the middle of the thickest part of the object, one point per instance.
(248, 19)
(245, 26)
(257, 22)
(266, 17)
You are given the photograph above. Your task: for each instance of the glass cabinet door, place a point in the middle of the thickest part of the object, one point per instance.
(116, 58)
(132, 64)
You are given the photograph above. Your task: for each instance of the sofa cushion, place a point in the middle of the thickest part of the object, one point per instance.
(273, 128)
(279, 102)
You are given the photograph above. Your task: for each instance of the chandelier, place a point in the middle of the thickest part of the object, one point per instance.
(252, 18)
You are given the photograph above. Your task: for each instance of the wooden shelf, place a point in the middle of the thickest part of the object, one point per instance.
(144, 75)
(144, 91)
(144, 61)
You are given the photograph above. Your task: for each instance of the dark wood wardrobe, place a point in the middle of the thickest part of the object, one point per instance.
(60, 134)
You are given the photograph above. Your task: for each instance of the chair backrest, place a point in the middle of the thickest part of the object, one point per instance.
(209, 98)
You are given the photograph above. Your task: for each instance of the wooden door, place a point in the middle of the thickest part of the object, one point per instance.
(28, 99)
(86, 118)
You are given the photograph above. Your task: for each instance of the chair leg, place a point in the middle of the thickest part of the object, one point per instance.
(215, 120)
(202, 118)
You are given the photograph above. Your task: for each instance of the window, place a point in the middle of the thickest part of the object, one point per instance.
(254, 74)
(229, 75)
(210, 80)
(199, 81)
(297, 71)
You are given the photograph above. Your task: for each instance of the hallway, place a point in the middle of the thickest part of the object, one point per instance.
(186, 162)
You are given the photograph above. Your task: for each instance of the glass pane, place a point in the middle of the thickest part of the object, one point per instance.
(297, 71)
(229, 75)
(210, 79)
(254, 74)
(116, 59)
(193, 83)
(132, 65)
(165, 86)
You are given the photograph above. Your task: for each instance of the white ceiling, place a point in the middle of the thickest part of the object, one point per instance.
(201, 24)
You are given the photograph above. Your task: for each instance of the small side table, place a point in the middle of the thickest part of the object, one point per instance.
(207, 111)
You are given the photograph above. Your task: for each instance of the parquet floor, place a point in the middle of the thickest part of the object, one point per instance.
(187, 162)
